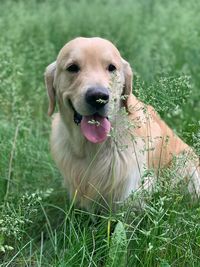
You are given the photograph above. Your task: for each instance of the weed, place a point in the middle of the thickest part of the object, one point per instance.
(38, 227)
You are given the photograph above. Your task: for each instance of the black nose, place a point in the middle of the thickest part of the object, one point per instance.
(97, 97)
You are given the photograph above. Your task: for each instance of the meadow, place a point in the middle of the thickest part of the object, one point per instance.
(38, 225)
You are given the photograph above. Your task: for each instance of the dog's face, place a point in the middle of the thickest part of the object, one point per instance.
(89, 79)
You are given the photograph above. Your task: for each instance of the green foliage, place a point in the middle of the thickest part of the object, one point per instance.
(38, 227)
(118, 247)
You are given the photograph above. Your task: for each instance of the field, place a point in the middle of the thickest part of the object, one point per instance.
(38, 225)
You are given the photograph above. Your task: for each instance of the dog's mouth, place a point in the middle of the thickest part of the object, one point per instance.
(95, 128)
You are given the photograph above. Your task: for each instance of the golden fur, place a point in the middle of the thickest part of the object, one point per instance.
(107, 173)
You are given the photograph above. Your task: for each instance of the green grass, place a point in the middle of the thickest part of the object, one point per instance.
(38, 226)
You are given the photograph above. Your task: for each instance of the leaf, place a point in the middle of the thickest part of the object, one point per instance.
(1, 240)
(118, 247)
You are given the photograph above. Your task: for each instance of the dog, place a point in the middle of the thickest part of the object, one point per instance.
(104, 140)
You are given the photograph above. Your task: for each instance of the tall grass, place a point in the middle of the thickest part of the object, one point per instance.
(38, 227)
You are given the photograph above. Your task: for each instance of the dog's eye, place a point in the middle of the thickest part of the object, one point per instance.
(74, 68)
(111, 68)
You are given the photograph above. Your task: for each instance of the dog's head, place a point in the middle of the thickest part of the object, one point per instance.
(90, 81)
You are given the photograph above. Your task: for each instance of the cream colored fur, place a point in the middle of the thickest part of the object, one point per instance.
(107, 173)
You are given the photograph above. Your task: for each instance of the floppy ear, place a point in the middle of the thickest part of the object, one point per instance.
(128, 75)
(49, 79)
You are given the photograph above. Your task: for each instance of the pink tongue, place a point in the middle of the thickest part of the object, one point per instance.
(95, 128)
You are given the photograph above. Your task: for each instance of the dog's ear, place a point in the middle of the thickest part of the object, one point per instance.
(128, 75)
(49, 81)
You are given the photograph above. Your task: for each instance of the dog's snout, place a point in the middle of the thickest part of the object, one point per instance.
(97, 97)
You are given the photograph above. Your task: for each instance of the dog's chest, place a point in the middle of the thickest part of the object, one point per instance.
(106, 175)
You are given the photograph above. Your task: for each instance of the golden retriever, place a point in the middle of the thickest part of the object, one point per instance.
(104, 140)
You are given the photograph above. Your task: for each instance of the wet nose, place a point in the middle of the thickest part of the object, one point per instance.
(97, 97)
